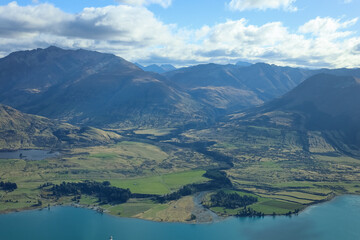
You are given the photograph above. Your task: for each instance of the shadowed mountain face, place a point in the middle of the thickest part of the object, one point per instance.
(232, 87)
(325, 103)
(92, 88)
(19, 130)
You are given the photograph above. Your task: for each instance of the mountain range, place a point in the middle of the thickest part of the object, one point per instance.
(92, 88)
(232, 87)
(89, 88)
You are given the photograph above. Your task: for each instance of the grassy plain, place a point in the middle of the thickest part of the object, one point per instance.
(286, 169)
(134, 207)
(161, 184)
(265, 204)
(154, 131)
(267, 162)
(142, 167)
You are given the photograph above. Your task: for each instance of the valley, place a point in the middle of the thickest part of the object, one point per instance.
(288, 137)
(283, 179)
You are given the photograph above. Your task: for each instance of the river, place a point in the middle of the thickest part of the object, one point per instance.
(337, 219)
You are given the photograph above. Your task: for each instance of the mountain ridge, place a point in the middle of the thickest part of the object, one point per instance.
(85, 87)
(163, 68)
(248, 85)
(103, 90)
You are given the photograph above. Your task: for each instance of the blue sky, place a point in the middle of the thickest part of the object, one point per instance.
(303, 33)
(196, 13)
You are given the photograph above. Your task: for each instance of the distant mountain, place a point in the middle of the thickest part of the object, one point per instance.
(168, 67)
(354, 72)
(231, 87)
(19, 130)
(243, 64)
(86, 87)
(323, 103)
(157, 68)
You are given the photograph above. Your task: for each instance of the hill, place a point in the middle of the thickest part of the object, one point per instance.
(19, 131)
(323, 103)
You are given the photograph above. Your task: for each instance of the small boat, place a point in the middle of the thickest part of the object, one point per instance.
(111, 238)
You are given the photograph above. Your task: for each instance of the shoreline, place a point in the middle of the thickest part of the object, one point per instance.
(219, 218)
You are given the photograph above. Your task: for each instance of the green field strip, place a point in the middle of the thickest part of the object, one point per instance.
(287, 198)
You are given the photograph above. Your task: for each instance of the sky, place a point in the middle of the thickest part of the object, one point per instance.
(296, 33)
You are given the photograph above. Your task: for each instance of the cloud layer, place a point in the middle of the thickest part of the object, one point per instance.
(242, 5)
(133, 32)
(163, 3)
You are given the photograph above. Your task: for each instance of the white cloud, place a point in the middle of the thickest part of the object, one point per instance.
(348, 1)
(329, 44)
(163, 3)
(242, 5)
(327, 27)
(134, 33)
(239, 32)
(120, 28)
(125, 24)
(16, 20)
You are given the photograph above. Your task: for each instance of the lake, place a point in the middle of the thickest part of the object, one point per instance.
(337, 219)
(28, 154)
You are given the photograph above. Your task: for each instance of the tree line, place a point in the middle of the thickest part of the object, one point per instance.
(249, 212)
(8, 186)
(103, 191)
(231, 200)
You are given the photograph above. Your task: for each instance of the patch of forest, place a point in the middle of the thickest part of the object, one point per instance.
(103, 191)
(231, 200)
(8, 186)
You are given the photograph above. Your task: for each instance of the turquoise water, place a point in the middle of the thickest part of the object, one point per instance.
(337, 219)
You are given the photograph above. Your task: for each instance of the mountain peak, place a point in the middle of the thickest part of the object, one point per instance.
(52, 48)
(163, 68)
(243, 64)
